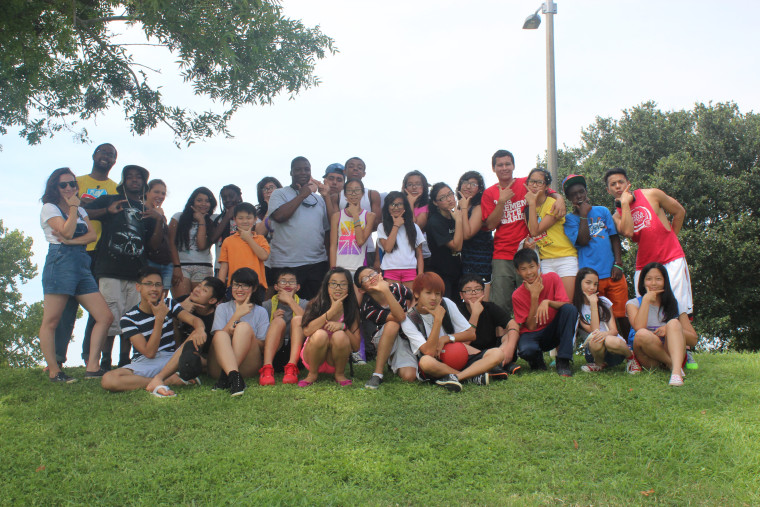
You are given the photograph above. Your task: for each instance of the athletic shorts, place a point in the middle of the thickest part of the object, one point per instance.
(563, 266)
(680, 282)
(400, 275)
(616, 292)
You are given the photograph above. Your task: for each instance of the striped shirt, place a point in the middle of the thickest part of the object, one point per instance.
(136, 322)
(374, 312)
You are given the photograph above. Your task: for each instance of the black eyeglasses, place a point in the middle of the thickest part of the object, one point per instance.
(64, 184)
(157, 285)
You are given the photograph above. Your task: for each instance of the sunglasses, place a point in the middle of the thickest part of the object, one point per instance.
(63, 184)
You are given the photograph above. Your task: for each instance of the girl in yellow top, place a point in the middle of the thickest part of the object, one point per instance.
(558, 255)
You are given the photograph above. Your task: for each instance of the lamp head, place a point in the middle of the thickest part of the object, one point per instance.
(532, 22)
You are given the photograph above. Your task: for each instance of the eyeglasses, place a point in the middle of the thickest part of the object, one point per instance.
(241, 286)
(479, 290)
(471, 184)
(287, 283)
(338, 285)
(413, 185)
(367, 278)
(355, 191)
(157, 285)
(445, 197)
(536, 182)
(269, 188)
(396, 205)
(64, 184)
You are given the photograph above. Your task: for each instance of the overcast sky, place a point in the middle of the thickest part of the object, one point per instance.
(433, 85)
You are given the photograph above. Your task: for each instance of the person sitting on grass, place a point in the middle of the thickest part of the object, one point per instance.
(149, 328)
(433, 323)
(244, 248)
(384, 304)
(331, 325)
(240, 327)
(190, 360)
(604, 347)
(544, 313)
(660, 329)
(285, 334)
(490, 322)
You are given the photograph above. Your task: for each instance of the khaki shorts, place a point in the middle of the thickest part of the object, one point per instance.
(197, 272)
(120, 296)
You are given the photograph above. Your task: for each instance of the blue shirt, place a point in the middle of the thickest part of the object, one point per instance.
(598, 253)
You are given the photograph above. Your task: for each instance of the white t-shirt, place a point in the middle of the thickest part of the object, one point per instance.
(586, 313)
(403, 256)
(257, 318)
(192, 255)
(49, 211)
(417, 340)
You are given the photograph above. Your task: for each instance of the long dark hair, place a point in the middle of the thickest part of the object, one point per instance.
(263, 207)
(578, 296)
(433, 208)
(321, 303)
(424, 197)
(668, 302)
(52, 193)
(475, 200)
(186, 218)
(411, 230)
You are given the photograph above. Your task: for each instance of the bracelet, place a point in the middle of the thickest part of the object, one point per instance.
(583, 218)
(472, 325)
(178, 265)
(512, 329)
(394, 225)
(616, 266)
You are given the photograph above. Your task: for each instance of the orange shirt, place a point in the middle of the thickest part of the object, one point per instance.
(238, 254)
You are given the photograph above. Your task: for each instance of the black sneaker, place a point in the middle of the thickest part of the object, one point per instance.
(62, 378)
(537, 362)
(222, 383)
(563, 368)
(373, 382)
(450, 382)
(482, 380)
(94, 374)
(498, 373)
(513, 368)
(237, 384)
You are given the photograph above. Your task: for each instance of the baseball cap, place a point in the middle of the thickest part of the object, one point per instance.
(573, 179)
(336, 168)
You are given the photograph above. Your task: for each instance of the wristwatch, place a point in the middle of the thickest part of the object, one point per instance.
(452, 339)
(234, 324)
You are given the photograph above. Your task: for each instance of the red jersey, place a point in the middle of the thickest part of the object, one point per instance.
(656, 243)
(553, 291)
(512, 228)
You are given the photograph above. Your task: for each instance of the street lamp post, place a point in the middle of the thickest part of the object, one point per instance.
(549, 9)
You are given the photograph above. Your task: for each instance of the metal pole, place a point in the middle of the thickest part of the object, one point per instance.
(550, 8)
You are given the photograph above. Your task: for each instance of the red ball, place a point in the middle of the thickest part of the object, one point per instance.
(455, 355)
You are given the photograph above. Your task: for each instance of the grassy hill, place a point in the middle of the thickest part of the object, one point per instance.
(604, 438)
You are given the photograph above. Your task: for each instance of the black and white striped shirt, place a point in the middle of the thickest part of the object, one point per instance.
(136, 322)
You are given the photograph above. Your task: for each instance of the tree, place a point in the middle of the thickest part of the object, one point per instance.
(19, 322)
(708, 159)
(61, 62)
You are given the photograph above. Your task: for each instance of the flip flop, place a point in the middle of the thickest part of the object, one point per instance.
(192, 382)
(344, 383)
(304, 383)
(159, 395)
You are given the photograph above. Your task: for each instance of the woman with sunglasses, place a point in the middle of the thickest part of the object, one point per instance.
(477, 244)
(67, 271)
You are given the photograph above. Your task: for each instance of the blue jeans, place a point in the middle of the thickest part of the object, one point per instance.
(558, 334)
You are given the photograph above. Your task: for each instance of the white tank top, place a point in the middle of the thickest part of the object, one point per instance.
(365, 204)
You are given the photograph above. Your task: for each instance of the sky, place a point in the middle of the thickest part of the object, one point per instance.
(432, 85)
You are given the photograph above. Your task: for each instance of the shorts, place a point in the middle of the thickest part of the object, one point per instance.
(67, 271)
(323, 368)
(197, 272)
(680, 282)
(166, 273)
(150, 367)
(401, 353)
(616, 292)
(563, 266)
(610, 358)
(400, 275)
(120, 296)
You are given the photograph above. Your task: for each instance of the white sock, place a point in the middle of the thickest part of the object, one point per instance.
(378, 375)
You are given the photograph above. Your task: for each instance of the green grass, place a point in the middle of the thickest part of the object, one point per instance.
(534, 439)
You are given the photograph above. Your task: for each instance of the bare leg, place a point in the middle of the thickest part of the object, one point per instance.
(490, 359)
(487, 292)
(96, 306)
(569, 284)
(384, 347)
(649, 350)
(273, 339)
(340, 349)
(435, 368)
(53, 306)
(676, 345)
(251, 363)
(123, 379)
(315, 352)
(296, 338)
(597, 350)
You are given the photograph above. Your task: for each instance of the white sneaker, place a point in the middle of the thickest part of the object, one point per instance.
(356, 358)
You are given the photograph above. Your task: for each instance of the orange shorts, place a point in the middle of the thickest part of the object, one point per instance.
(617, 292)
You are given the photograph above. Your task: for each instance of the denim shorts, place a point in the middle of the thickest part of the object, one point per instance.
(67, 271)
(166, 273)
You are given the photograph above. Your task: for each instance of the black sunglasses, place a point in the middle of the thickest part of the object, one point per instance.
(64, 184)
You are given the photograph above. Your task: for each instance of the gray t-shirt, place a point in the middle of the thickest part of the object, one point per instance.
(287, 314)
(257, 318)
(299, 240)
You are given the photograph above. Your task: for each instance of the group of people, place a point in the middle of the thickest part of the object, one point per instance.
(460, 283)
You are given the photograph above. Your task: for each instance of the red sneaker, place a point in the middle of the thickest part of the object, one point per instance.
(266, 375)
(632, 365)
(291, 374)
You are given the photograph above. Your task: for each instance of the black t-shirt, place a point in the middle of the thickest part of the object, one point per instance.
(162, 254)
(485, 332)
(121, 251)
(440, 231)
(183, 330)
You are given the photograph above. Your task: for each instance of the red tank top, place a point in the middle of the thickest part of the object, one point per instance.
(656, 243)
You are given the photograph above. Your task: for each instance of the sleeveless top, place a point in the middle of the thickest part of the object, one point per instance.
(656, 243)
(477, 252)
(364, 204)
(350, 255)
